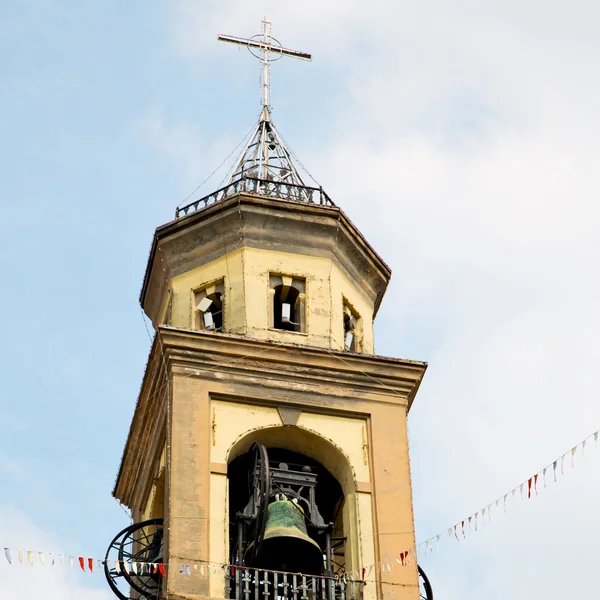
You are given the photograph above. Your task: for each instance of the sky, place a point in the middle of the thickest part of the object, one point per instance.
(463, 139)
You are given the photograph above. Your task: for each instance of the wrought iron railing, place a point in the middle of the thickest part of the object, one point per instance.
(264, 187)
(243, 583)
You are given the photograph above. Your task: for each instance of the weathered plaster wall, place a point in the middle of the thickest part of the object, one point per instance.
(155, 504)
(247, 303)
(230, 268)
(232, 421)
(224, 393)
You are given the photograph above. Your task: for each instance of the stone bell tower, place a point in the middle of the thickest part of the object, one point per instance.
(262, 391)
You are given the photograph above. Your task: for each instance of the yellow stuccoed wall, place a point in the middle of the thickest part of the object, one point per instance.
(246, 275)
(232, 421)
(154, 504)
(219, 400)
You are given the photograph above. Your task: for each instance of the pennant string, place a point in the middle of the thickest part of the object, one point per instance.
(402, 558)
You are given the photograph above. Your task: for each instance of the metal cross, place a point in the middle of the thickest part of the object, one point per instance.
(263, 46)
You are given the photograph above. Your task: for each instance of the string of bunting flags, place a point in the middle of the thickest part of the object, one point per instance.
(530, 487)
(460, 530)
(87, 564)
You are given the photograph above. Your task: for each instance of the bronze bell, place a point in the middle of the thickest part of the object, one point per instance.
(286, 544)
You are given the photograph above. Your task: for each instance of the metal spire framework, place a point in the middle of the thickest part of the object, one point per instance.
(266, 156)
(265, 166)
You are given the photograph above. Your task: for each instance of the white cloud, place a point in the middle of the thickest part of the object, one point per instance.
(188, 150)
(24, 582)
(465, 147)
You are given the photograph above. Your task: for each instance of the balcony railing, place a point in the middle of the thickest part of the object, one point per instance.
(264, 187)
(257, 584)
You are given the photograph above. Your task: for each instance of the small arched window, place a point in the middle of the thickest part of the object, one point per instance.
(288, 295)
(209, 307)
(284, 308)
(352, 329)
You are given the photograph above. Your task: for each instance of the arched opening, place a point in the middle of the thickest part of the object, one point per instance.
(297, 469)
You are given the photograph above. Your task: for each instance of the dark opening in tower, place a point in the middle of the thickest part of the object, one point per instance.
(285, 513)
(209, 307)
(288, 300)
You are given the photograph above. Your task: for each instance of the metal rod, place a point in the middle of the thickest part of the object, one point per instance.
(266, 583)
(285, 585)
(260, 45)
(246, 578)
(328, 552)
(240, 540)
(352, 590)
(238, 588)
(304, 589)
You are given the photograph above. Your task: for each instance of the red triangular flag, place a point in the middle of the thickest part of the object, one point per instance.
(529, 487)
(81, 563)
(535, 478)
(161, 568)
(91, 564)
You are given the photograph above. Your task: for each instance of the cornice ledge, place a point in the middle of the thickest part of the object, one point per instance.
(237, 354)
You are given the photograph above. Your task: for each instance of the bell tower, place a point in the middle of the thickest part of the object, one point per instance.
(268, 453)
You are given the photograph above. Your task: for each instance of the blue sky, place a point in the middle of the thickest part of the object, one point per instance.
(463, 141)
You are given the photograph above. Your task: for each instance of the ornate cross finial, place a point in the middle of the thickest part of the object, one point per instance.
(267, 49)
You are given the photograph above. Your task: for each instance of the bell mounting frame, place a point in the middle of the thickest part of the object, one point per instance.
(259, 483)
